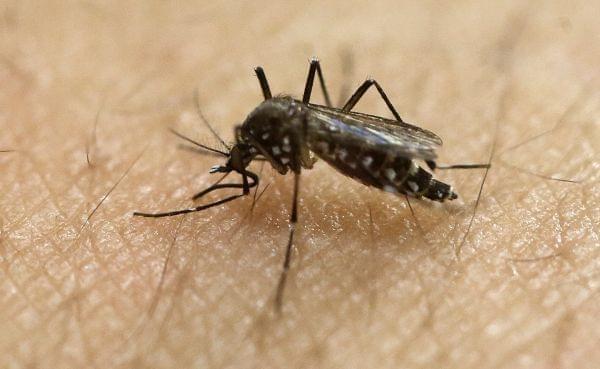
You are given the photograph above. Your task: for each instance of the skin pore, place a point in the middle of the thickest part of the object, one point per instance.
(89, 93)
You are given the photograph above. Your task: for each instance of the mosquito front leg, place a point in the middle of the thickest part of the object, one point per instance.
(245, 185)
(360, 91)
(315, 67)
(219, 186)
(188, 210)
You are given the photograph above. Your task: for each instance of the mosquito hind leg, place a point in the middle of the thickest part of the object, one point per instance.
(433, 166)
(315, 67)
(264, 84)
(360, 91)
(464, 166)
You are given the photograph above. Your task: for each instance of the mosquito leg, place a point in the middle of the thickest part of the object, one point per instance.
(264, 84)
(360, 91)
(245, 185)
(465, 166)
(315, 67)
(219, 186)
(189, 210)
(201, 193)
(433, 166)
(288, 250)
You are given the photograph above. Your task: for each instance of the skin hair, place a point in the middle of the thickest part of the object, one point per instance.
(90, 91)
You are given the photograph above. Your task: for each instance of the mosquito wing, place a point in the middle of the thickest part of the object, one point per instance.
(365, 130)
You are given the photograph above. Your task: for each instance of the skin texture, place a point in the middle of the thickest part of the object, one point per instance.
(89, 90)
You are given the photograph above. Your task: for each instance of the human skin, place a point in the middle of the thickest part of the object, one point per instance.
(89, 92)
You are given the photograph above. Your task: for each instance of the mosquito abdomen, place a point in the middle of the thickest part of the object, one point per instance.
(382, 169)
(420, 183)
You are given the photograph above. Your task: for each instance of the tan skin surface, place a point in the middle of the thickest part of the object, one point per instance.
(369, 285)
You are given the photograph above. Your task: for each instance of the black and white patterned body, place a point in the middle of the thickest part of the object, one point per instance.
(290, 134)
(373, 150)
(276, 130)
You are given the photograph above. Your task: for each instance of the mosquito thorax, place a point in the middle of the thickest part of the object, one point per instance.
(274, 130)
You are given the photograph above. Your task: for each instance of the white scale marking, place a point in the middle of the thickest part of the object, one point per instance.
(413, 186)
(414, 168)
(390, 174)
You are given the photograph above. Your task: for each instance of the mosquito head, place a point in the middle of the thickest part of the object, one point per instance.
(239, 157)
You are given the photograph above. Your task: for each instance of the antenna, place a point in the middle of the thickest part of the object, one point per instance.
(205, 121)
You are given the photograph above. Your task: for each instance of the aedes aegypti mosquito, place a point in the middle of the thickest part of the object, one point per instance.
(291, 133)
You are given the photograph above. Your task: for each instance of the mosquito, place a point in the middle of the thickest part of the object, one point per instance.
(291, 134)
